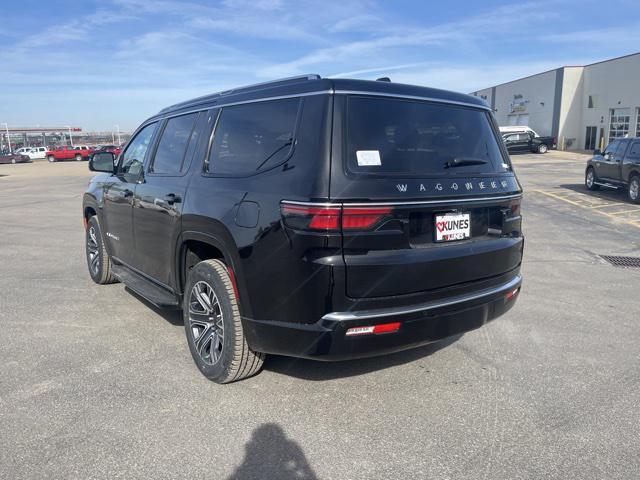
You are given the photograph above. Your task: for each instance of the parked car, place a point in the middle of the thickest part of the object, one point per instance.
(14, 158)
(318, 218)
(108, 148)
(517, 129)
(33, 152)
(617, 167)
(528, 142)
(79, 152)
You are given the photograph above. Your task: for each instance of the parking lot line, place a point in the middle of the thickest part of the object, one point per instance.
(608, 205)
(626, 211)
(577, 204)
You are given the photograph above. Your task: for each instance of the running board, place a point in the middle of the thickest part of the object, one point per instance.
(608, 185)
(160, 297)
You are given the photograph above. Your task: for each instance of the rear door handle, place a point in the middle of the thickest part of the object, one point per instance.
(172, 198)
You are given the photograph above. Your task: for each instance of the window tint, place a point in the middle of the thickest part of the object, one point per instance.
(634, 151)
(173, 144)
(252, 137)
(133, 157)
(393, 136)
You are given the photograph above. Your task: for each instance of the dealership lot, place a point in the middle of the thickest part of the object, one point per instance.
(96, 383)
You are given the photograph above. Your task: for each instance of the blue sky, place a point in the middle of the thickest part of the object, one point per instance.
(99, 63)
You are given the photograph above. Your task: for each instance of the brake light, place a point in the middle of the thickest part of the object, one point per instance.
(302, 217)
(357, 218)
(332, 219)
(374, 329)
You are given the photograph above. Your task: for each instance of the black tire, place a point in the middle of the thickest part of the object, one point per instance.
(590, 179)
(51, 158)
(542, 148)
(633, 189)
(213, 325)
(98, 260)
(78, 158)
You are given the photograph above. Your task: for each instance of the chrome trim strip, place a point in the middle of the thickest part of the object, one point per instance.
(210, 105)
(388, 312)
(311, 204)
(411, 97)
(418, 202)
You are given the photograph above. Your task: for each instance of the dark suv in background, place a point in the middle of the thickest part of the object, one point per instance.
(617, 167)
(317, 218)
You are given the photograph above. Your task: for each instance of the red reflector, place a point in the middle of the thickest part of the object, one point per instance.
(86, 222)
(374, 329)
(357, 218)
(511, 294)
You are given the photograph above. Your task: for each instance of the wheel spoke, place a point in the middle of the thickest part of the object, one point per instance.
(203, 339)
(94, 262)
(202, 296)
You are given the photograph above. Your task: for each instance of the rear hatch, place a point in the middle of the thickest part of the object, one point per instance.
(429, 198)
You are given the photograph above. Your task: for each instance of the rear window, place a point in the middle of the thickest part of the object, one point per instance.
(400, 137)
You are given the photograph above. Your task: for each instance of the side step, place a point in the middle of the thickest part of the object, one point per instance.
(608, 185)
(160, 297)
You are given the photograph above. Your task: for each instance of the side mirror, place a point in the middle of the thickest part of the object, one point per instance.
(102, 162)
(597, 152)
(607, 156)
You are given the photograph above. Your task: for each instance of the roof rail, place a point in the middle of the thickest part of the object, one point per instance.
(270, 83)
(247, 88)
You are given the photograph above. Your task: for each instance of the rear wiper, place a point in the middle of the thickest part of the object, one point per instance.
(462, 161)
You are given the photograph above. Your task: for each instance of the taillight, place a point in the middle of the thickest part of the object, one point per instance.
(332, 219)
(302, 217)
(362, 218)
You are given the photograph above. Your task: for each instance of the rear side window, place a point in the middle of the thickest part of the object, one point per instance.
(634, 151)
(172, 147)
(253, 137)
(400, 137)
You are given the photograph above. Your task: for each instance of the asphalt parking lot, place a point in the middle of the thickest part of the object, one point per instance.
(94, 383)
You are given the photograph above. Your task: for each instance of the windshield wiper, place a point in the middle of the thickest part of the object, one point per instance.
(463, 161)
(288, 144)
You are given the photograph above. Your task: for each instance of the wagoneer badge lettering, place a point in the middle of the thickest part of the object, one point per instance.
(469, 186)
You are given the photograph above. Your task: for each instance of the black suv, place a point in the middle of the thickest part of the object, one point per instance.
(319, 218)
(617, 167)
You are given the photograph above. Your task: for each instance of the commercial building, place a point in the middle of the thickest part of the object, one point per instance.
(584, 107)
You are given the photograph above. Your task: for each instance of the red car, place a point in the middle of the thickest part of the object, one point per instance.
(109, 148)
(79, 152)
(14, 158)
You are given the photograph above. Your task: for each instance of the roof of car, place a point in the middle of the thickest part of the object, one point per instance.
(312, 84)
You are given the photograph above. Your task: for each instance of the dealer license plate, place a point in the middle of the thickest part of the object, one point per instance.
(452, 226)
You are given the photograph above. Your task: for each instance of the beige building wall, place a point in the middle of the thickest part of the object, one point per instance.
(603, 97)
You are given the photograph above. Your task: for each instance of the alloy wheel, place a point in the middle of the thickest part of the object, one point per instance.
(206, 322)
(93, 251)
(634, 189)
(590, 178)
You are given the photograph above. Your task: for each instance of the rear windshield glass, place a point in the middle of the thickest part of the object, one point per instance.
(400, 137)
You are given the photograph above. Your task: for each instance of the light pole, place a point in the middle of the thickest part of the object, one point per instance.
(118, 130)
(70, 137)
(6, 128)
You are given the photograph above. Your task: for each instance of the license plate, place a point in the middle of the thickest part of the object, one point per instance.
(452, 226)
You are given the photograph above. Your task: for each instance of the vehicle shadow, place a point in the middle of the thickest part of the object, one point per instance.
(319, 371)
(270, 454)
(604, 193)
(174, 317)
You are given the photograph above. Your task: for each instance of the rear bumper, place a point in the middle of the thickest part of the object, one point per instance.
(419, 324)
